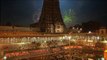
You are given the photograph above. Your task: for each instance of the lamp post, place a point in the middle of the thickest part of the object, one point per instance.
(69, 37)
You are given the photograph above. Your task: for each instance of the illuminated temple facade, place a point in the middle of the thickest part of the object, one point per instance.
(51, 20)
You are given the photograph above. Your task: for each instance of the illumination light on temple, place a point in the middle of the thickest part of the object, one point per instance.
(69, 17)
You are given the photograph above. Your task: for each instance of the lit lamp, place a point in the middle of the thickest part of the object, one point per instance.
(69, 37)
(65, 37)
(98, 38)
(4, 58)
(89, 32)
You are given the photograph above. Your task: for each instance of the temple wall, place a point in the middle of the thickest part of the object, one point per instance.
(11, 28)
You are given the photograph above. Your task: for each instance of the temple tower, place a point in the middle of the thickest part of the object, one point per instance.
(51, 20)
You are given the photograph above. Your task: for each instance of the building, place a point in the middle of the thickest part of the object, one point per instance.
(35, 27)
(75, 29)
(102, 30)
(90, 26)
(15, 28)
(51, 20)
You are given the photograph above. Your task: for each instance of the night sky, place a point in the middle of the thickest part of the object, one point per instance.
(26, 12)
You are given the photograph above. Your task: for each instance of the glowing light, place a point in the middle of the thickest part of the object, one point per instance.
(69, 37)
(98, 38)
(4, 57)
(44, 41)
(89, 32)
(80, 29)
(21, 43)
(68, 17)
(73, 28)
(105, 51)
(102, 58)
(104, 42)
(90, 59)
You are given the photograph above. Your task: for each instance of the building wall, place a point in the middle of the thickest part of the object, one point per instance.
(51, 17)
(103, 31)
(4, 28)
(11, 28)
(59, 28)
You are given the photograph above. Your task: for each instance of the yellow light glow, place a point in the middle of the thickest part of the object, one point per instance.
(105, 51)
(105, 41)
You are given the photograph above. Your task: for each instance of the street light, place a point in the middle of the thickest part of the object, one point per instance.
(69, 37)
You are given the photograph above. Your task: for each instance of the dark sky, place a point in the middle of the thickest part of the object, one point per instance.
(25, 12)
